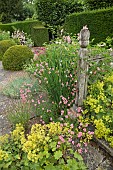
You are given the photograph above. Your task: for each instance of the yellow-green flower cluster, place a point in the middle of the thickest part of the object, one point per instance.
(101, 130)
(42, 140)
(3, 155)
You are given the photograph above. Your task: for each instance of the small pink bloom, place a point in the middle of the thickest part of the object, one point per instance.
(85, 150)
(32, 100)
(78, 145)
(62, 112)
(79, 109)
(84, 129)
(79, 134)
(51, 119)
(66, 116)
(80, 151)
(72, 126)
(73, 142)
(70, 139)
(85, 144)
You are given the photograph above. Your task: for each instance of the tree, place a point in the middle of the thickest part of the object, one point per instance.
(53, 12)
(11, 9)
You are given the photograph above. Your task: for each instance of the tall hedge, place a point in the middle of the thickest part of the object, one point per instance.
(99, 22)
(40, 35)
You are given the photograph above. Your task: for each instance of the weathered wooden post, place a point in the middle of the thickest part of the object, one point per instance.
(82, 67)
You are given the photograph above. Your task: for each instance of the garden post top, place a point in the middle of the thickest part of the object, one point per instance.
(84, 37)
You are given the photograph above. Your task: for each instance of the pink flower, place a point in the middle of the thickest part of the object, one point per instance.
(72, 126)
(73, 142)
(85, 150)
(79, 134)
(51, 119)
(84, 129)
(32, 100)
(85, 144)
(62, 112)
(90, 133)
(72, 133)
(80, 151)
(66, 116)
(79, 109)
(58, 146)
(78, 145)
(62, 139)
(59, 142)
(70, 139)
(38, 101)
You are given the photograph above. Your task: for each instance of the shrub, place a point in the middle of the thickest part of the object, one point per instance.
(4, 35)
(40, 36)
(4, 45)
(99, 23)
(16, 56)
(46, 147)
(99, 106)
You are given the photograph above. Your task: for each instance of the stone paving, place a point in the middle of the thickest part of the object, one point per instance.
(94, 158)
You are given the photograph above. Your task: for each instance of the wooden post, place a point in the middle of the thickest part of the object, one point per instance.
(82, 66)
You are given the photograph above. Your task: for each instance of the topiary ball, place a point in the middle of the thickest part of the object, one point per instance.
(16, 56)
(4, 45)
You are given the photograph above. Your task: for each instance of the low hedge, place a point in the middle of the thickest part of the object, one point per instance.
(26, 26)
(4, 45)
(99, 22)
(40, 35)
(16, 56)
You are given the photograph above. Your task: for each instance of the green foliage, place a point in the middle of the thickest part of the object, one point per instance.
(13, 88)
(4, 35)
(99, 105)
(4, 45)
(96, 4)
(40, 36)
(25, 26)
(19, 113)
(99, 63)
(45, 147)
(53, 12)
(55, 72)
(99, 23)
(11, 9)
(16, 56)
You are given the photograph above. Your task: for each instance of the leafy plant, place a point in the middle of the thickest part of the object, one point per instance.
(4, 45)
(99, 63)
(46, 147)
(56, 72)
(19, 112)
(13, 88)
(4, 35)
(99, 105)
(16, 56)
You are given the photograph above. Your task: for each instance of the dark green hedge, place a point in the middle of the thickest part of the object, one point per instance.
(26, 26)
(99, 22)
(40, 35)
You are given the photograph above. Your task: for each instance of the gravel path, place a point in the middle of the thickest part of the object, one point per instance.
(5, 78)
